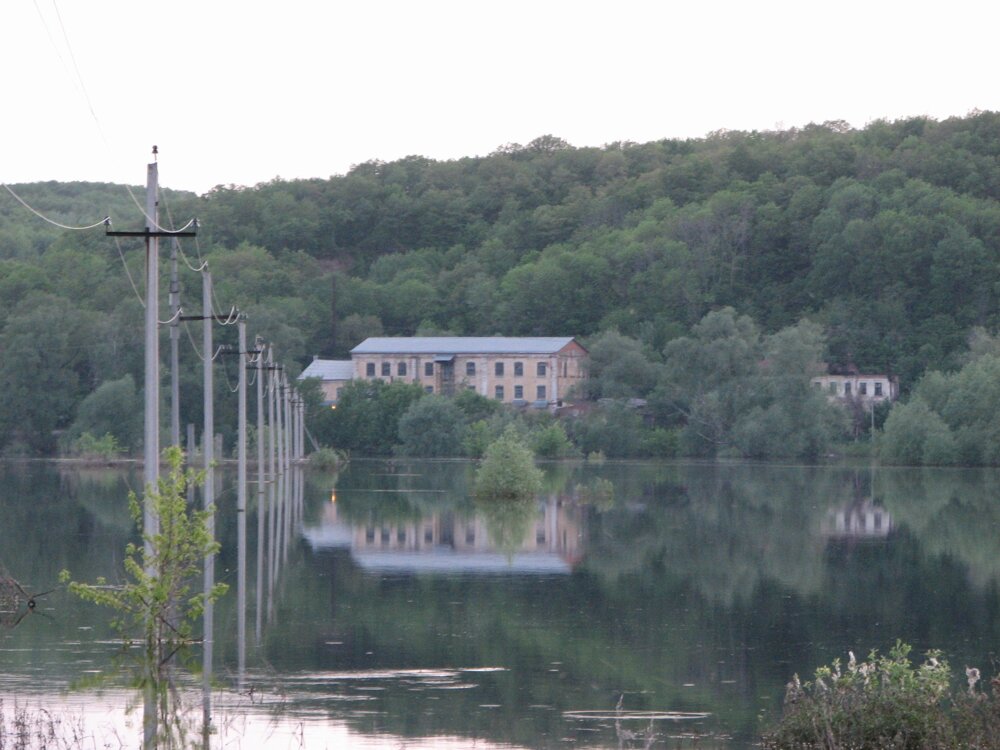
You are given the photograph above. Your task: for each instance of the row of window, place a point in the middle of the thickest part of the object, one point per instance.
(862, 388)
(470, 369)
(498, 393)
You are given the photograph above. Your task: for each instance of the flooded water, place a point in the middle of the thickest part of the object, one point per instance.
(632, 605)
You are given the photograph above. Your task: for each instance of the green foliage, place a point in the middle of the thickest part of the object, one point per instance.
(154, 606)
(885, 702)
(432, 427)
(89, 447)
(327, 459)
(114, 409)
(952, 418)
(366, 420)
(618, 367)
(735, 391)
(551, 442)
(508, 471)
(887, 237)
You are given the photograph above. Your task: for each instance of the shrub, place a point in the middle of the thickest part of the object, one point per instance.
(886, 702)
(88, 446)
(327, 459)
(552, 442)
(508, 471)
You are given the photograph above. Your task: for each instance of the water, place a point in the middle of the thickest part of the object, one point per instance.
(633, 603)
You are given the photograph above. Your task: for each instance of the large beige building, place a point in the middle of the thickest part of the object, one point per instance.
(520, 370)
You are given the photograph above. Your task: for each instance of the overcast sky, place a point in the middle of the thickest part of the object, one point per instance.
(242, 92)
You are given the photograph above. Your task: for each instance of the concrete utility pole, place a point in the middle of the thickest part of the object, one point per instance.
(151, 432)
(260, 484)
(208, 492)
(175, 334)
(241, 498)
(151, 436)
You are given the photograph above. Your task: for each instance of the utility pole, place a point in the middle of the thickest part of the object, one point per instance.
(241, 498)
(151, 432)
(260, 484)
(208, 493)
(175, 333)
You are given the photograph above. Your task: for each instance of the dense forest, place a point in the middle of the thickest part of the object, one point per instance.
(886, 238)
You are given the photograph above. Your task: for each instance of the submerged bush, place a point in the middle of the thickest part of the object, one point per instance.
(508, 470)
(886, 703)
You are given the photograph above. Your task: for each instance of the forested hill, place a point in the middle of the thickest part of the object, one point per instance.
(888, 236)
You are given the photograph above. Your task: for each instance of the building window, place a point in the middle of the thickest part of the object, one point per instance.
(401, 369)
(541, 369)
(370, 369)
(863, 389)
(878, 389)
(339, 391)
(498, 393)
(518, 369)
(541, 393)
(470, 368)
(428, 369)
(498, 369)
(386, 369)
(518, 391)
(847, 389)
(428, 389)
(817, 384)
(833, 387)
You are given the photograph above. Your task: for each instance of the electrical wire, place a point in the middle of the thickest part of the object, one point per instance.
(194, 346)
(105, 221)
(129, 274)
(172, 318)
(199, 269)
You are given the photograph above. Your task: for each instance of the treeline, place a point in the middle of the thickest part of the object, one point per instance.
(724, 390)
(886, 237)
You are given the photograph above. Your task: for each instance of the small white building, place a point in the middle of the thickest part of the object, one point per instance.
(870, 387)
(333, 375)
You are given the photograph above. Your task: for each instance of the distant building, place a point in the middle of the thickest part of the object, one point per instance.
(857, 386)
(333, 375)
(523, 370)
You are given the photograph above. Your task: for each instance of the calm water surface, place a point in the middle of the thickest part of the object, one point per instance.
(633, 603)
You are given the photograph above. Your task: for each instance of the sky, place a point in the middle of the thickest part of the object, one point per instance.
(238, 93)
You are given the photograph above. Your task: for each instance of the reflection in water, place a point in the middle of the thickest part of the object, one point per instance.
(857, 520)
(687, 589)
(544, 536)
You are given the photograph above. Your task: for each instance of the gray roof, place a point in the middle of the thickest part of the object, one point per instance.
(462, 345)
(329, 369)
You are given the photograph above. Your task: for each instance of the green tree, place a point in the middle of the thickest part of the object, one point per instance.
(367, 416)
(508, 471)
(114, 408)
(431, 426)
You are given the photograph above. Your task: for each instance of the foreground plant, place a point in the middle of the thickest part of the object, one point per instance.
(886, 703)
(155, 607)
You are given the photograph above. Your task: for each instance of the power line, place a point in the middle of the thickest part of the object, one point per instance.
(129, 273)
(106, 221)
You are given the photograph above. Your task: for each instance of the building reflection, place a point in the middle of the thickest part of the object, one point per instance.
(858, 519)
(450, 542)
